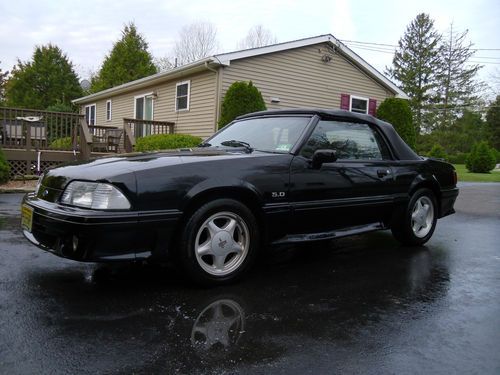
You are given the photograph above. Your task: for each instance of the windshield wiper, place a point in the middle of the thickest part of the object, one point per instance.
(204, 144)
(235, 143)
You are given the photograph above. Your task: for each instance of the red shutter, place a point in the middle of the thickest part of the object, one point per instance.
(372, 107)
(344, 101)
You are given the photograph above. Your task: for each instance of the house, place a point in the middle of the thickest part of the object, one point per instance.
(313, 72)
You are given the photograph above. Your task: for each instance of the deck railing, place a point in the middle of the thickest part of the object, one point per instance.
(35, 129)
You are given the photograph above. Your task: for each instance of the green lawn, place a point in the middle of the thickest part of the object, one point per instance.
(465, 175)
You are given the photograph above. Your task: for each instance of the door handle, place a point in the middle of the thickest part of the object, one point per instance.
(383, 172)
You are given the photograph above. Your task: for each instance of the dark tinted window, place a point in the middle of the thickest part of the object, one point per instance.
(351, 141)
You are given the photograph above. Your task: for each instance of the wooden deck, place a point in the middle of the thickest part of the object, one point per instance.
(35, 140)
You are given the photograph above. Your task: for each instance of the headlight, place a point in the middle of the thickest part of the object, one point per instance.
(94, 195)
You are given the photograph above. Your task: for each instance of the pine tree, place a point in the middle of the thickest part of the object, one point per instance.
(47, 79)
(457, 87)
(415, 64)
(128, 60)
(493, 123)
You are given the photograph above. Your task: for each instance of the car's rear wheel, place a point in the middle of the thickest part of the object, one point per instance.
(219, 242)
(419, 219)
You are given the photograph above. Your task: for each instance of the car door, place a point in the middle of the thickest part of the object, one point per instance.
(356, 189)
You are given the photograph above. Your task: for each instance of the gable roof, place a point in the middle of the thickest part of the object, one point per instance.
(224, 59)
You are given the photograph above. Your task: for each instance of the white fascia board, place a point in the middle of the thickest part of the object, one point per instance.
(225, 58)
(146, 81)
(374, 72)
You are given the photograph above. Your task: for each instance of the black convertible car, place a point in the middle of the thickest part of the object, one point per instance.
(272, 177)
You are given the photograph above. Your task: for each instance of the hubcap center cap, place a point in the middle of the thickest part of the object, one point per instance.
(221, 243)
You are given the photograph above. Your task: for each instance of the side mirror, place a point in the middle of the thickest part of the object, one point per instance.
(323, 156)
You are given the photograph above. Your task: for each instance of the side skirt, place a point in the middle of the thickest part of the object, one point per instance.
(343, 232)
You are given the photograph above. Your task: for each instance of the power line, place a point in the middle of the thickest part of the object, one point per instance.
(365, 48)
(395, 45)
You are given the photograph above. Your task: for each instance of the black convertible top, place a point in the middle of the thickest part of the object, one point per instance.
(400, 148)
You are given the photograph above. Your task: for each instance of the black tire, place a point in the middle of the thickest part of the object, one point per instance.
(196, 230)
(403, 227)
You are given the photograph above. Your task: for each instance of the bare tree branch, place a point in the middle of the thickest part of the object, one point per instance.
(258, 36)
(196, 41)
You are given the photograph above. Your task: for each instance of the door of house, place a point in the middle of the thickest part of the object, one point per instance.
(144, 111)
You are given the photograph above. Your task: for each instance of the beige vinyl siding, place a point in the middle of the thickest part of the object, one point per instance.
(299, 78)
(199, 120)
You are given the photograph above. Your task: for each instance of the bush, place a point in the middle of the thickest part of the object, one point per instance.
(240, 98)
(437, 152)
(481, 159)
(398, 113)
(458, 158)
(4, 168)
(166, 142)
(62, 144)
(497, 155)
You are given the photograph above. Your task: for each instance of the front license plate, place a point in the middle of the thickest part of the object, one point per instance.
(26, 217)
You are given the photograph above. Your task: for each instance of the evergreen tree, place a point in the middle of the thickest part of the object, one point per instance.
(457, 87)
(3, 81)
(47, 79)
(415, 64)
(493, 123)
(240, 98)
(398, 113)
(128, 60)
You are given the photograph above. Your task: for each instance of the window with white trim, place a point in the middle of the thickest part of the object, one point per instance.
(90, 114)
(182, 91)
(108, 110)
(358, 104)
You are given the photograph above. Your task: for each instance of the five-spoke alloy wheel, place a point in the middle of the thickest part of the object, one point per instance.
(219, 242)
(419, 219)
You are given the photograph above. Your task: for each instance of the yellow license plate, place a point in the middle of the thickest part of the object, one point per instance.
(26, 217)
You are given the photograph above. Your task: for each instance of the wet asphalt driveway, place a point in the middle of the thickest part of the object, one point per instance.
(358, 305)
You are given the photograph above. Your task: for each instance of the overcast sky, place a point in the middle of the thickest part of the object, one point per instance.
(86, 30)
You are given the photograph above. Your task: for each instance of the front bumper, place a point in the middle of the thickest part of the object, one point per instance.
(100, 236)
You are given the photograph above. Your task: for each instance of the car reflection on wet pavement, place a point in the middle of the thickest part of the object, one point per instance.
(357, 305)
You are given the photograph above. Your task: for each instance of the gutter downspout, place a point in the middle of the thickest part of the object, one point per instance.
(217, 93)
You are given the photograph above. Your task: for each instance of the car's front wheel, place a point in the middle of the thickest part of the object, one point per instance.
(219, 242)
(419, 220)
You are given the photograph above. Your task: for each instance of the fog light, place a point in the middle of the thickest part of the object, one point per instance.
(75, 243)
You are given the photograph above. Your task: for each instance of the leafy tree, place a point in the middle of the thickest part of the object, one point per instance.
(258, 36)
(398, 113)
(437, 151)
(47, 79)
(493, 123)
(458, 138)
(482, 158)
(415, 64)
(195, 42)
(240, 98)
(128, 60)
(3, 81)
(457, 86)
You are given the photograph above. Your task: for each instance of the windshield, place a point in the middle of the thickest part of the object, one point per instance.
(275, 134)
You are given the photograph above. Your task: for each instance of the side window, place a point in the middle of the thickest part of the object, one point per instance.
(351, 141)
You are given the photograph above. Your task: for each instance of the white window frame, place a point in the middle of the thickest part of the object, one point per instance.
(188, 95)
(90, 111)
(109, 115)
(152, 104)
(367, 100)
